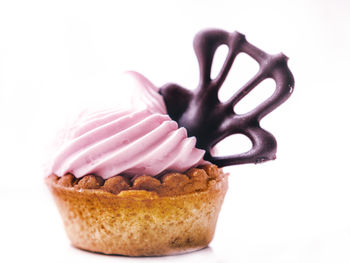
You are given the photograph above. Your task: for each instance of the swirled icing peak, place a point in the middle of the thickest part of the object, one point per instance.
(135, 141)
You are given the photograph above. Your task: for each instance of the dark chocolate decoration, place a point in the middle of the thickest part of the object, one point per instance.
(209, 120)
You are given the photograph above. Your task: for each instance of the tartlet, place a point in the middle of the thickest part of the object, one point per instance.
(174, 214)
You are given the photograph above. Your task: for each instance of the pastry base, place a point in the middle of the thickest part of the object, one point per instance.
(139, 222)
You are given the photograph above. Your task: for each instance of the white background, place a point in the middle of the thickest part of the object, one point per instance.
(57, 57)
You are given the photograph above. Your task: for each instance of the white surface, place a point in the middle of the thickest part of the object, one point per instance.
(57, 57)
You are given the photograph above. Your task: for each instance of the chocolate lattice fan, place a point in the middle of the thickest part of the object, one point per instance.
(209, 120)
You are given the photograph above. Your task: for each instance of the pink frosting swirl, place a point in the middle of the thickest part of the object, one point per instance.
(130, 142)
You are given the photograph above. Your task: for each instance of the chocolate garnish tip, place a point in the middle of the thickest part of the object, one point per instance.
(210, 120)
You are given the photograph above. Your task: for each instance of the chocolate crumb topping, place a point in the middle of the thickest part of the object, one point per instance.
(169, 184)
(209, 120)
